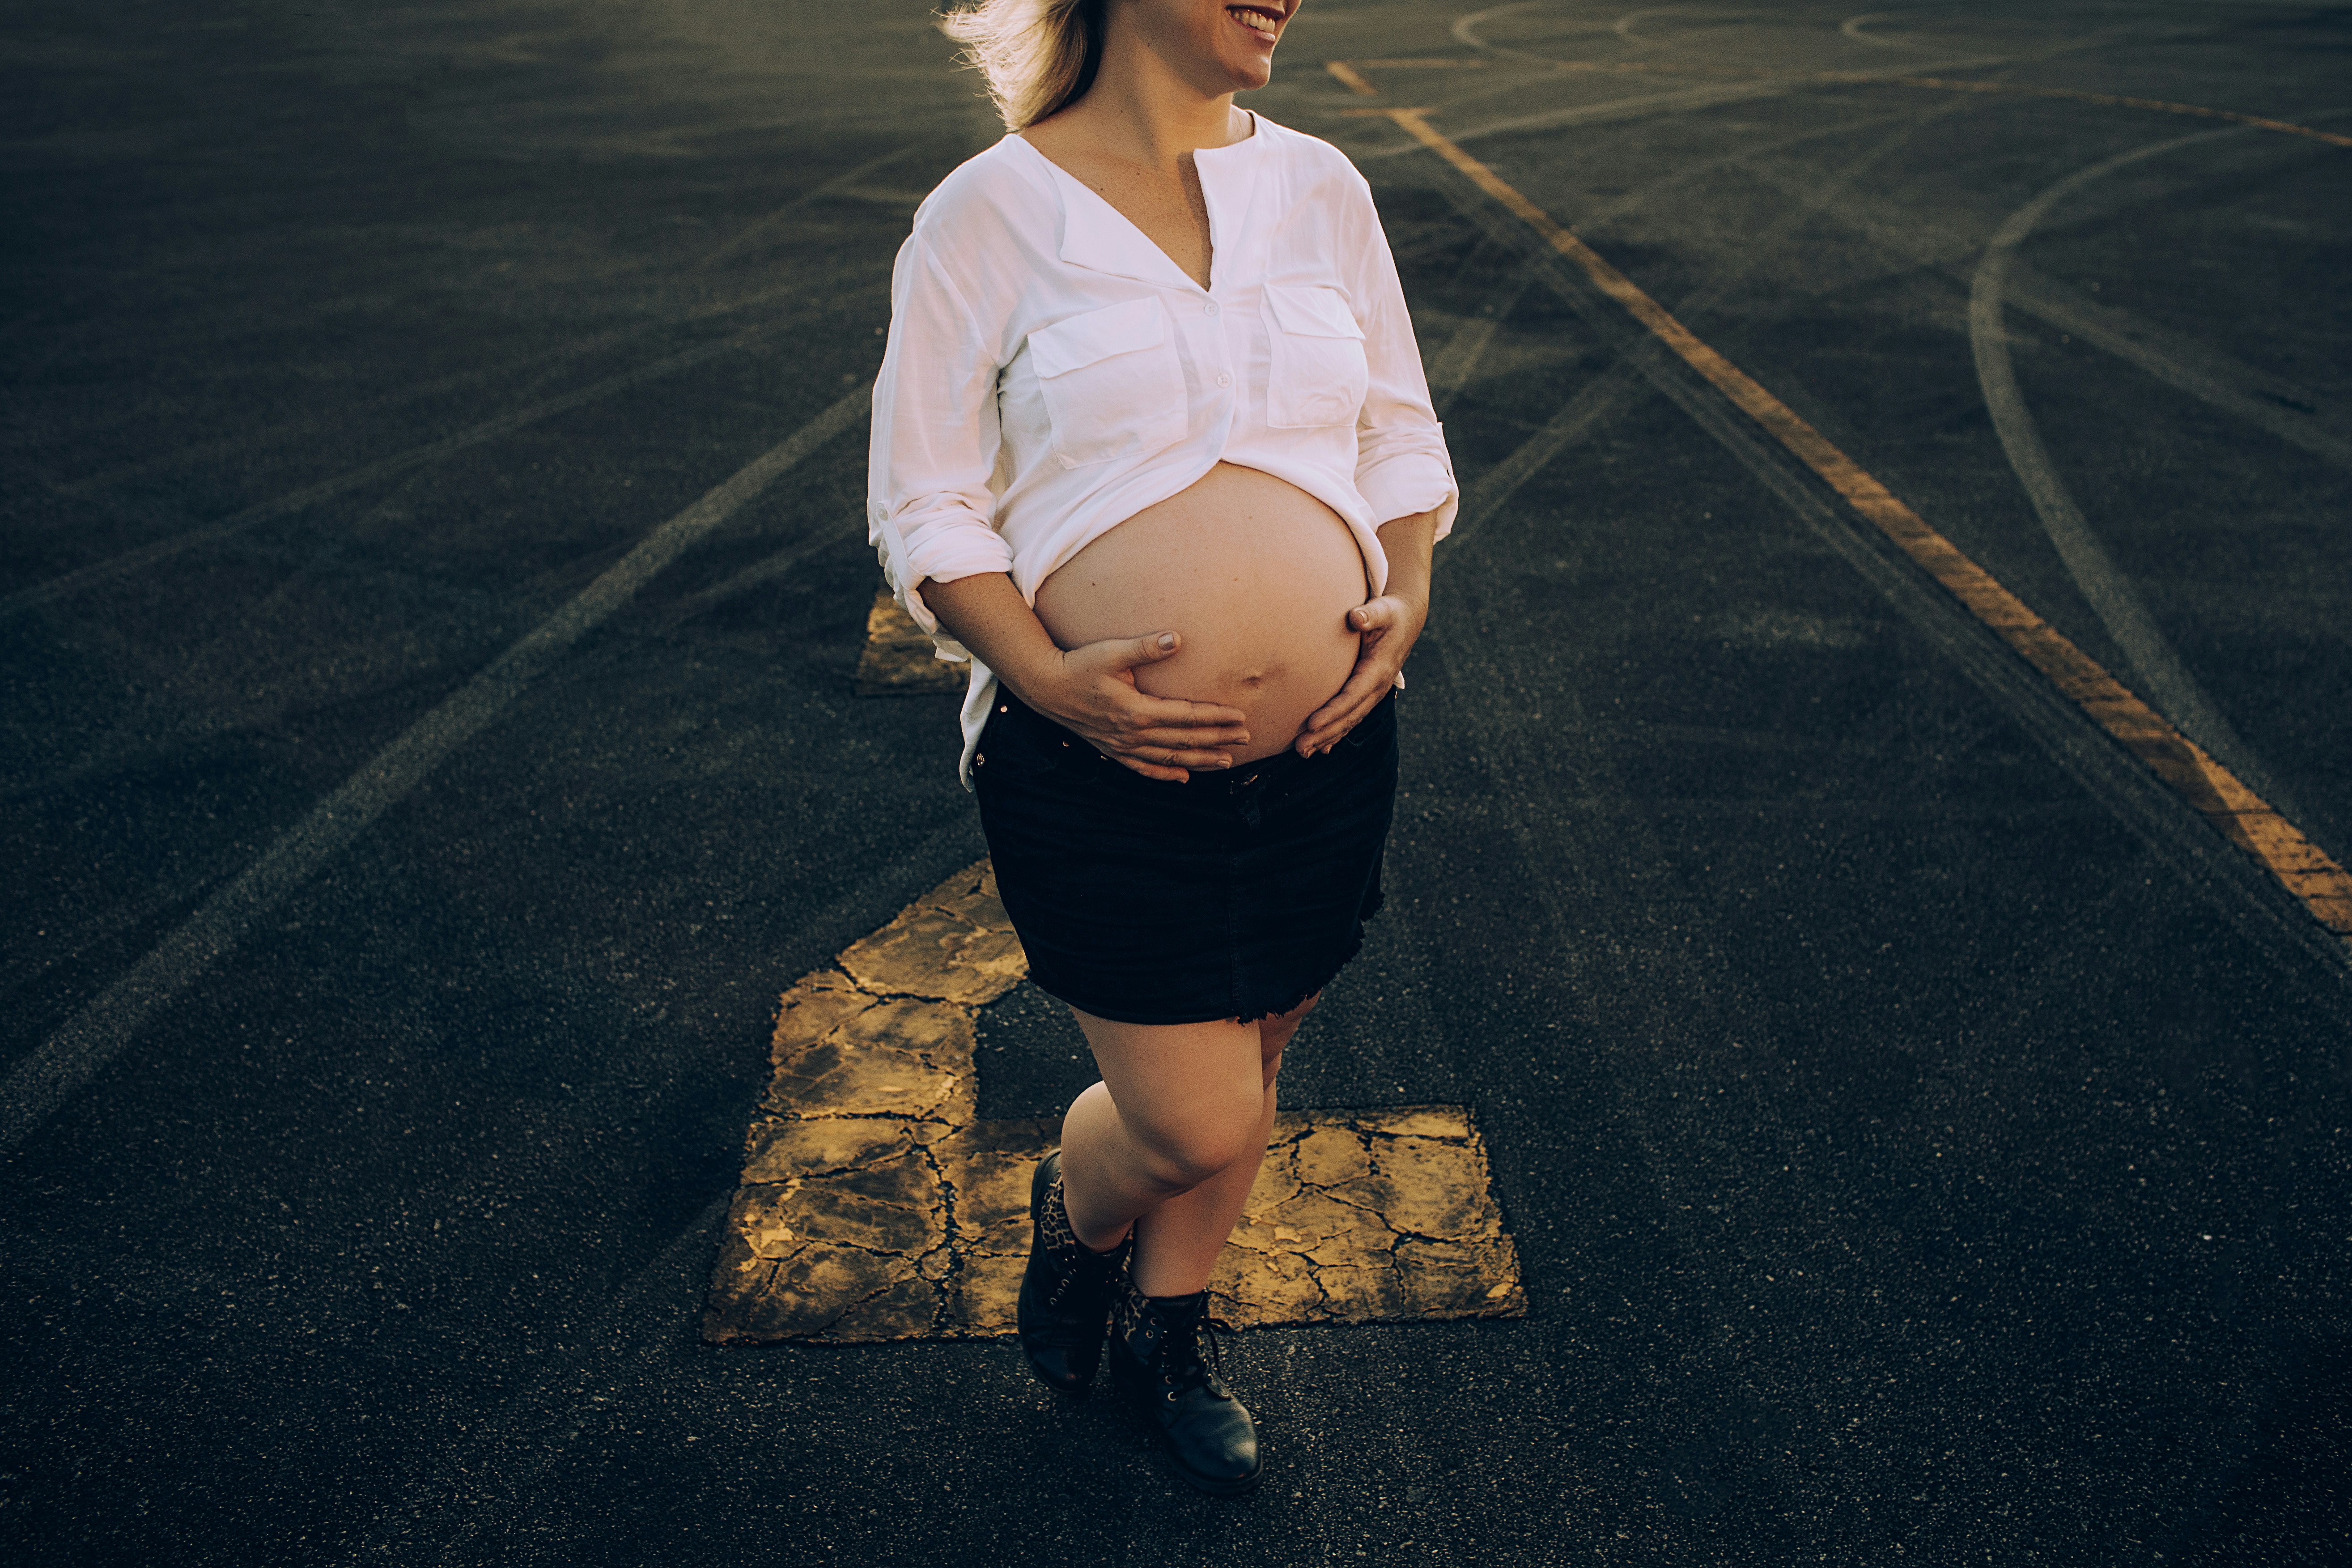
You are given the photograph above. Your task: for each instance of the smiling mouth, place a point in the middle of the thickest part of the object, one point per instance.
(1266, 24)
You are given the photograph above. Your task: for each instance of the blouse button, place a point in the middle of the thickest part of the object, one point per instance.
(1212, 306)
(1224, 380)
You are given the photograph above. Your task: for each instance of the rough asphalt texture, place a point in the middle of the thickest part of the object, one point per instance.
(1924, 1140)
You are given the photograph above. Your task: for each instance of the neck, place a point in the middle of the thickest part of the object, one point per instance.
(1142, 108)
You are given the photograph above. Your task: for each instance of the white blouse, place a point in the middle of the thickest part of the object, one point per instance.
(1050, 372)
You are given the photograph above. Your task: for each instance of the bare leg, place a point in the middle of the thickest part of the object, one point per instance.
(1171, 1138)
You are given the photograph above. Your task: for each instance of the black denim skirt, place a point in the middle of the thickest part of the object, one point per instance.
(1235, 895)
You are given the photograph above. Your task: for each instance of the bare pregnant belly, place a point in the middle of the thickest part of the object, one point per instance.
(1255, 574)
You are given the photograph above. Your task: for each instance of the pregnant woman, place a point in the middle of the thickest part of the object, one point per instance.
(1152, 448)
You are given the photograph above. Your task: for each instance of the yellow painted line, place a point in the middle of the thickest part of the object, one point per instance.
(898, 659)
(1352, 75)
(2243, 816)
(876, 1206)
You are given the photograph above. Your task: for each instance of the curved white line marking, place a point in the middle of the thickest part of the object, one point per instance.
(1624, 28)
(1466, 28)
(95, 1036)
(2285, 409)
(2166, 681)
(1858, 30)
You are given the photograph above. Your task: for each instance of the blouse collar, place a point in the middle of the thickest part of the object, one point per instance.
(1097, 236)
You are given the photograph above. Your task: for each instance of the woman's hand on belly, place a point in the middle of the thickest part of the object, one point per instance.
(1095, 694)
(1389, 625)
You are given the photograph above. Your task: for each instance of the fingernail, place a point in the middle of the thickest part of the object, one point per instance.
(1167, 641)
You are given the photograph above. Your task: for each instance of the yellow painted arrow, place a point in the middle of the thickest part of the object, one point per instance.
(876, 1206)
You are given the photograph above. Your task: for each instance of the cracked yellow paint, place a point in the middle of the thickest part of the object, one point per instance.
(897, 658)
(876, 1206)
(1366, 1217)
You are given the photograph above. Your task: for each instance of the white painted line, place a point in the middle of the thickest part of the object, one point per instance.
(761, 228)
(2263, 400)
(1449, 366)
(398, 463)
(95, 1036)
(1496, 487)
(2168, 682)
(1614, 108)
(768, 568)
(2296, 413)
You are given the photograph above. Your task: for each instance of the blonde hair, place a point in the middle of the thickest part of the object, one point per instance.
(1038, 56)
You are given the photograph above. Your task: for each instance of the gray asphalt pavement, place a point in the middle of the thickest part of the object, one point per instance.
(431, 576)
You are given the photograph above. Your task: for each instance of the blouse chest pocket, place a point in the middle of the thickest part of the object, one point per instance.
(1112, 383)
(1317, 375)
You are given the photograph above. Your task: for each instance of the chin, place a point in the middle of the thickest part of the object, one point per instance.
(1244, 75)
(1245, 67)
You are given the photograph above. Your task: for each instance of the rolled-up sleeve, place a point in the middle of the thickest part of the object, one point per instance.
(929, 509)
(1402, 464)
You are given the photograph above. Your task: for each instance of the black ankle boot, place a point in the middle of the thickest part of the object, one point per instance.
(1065, 1291)
(1155, 1360)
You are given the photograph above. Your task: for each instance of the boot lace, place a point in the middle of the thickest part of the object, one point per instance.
(1192, 1356)
(1071, 1325)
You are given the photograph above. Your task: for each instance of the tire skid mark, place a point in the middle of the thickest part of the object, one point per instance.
(1350, 75)
(2305, 871)
(2256, 398)
(2105, 586)
(1494, 488)
(2293, 413)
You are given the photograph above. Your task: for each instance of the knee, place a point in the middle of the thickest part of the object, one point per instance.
(1187, 1149)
